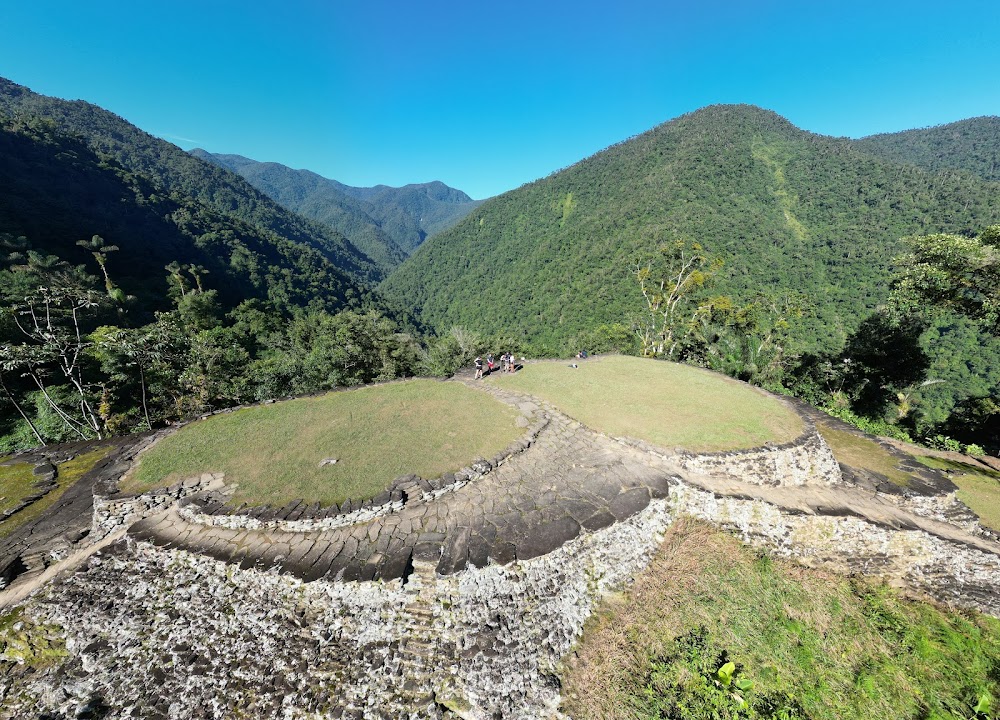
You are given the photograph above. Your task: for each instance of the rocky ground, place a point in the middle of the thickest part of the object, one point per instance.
(455, 597)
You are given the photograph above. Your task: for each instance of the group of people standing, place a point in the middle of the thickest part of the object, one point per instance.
(507, 364)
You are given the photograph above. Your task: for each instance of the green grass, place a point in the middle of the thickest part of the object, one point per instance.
(67, 474)
(30, 644)
(15, 484)
(858, 451)
(377, 433)
(978, 488)
(811, 644)
(666, 404)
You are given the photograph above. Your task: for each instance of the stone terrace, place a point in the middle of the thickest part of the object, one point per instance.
(476, 586)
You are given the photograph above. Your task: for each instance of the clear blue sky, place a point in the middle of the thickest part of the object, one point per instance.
(489, 95)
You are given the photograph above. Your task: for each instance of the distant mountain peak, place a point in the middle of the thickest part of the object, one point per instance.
(386, 222)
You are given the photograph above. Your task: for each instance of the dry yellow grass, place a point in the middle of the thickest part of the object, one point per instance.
(666, 404)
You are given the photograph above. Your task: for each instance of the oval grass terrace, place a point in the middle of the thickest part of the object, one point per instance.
(376, 434)
(666, 404)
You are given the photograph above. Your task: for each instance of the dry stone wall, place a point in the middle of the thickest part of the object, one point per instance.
(947, 571)
(807, 460)
(161, 633)
(119, 510)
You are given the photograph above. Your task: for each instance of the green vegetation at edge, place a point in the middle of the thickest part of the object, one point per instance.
(802, 643)
(978, 487)
(667, 404)
(67, 473)
(377, 433)
(27, 643)
(858, 451)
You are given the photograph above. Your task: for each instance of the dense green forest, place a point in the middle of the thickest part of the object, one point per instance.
(386, 223)
(971, 145)
(140, 285)
(797, 219)
(786, 210)
(174, 173)
(726, 238)
(58, 190)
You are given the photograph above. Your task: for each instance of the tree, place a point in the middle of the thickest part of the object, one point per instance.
(748, 341)
(100, 252)
(50, 320)
(670, 285)
(951, 271)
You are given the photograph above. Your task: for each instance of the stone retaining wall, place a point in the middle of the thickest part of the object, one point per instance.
(492, 638)
(806, 460)
(112, 512)
(947, 571)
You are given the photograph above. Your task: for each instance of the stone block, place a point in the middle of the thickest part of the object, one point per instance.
(546, 537)
(598, 521)
(454, 552)
(629, 503)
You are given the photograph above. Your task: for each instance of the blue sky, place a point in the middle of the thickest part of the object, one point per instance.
(488, 96)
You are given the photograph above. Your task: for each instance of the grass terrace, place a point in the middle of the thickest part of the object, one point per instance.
(978, 487)
(855, 450)
(666, 404)
(16, 484)
(377, 433)
(802, 643)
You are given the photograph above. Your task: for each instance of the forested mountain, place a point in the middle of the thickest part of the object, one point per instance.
(972, 145)
(414, 212)
(786, 209)
(58, 191)
(172, 173)
(386, 223)
(140, 285)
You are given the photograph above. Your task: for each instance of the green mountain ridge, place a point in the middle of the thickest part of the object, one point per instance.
(384, 222)
(175, 173)
(61, 185)
(787, 209)
(971, 145)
